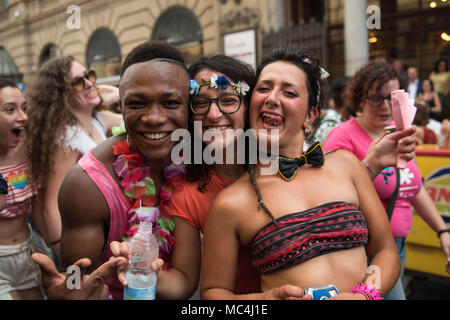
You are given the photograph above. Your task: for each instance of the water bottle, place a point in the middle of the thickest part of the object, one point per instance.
(141, 279)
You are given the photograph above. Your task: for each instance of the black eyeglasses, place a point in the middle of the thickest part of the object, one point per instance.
(79, 83)
(228, 104)
(377, 100)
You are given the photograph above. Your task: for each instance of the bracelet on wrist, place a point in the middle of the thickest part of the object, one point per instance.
(442, 231)
(369, 168)
(369, 293)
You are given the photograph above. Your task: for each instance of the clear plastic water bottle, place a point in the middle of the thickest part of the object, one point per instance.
(140, 277)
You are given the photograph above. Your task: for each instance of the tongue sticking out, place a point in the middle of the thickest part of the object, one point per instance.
(273, 121)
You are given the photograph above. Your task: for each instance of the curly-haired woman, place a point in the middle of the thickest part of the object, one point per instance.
(64, 123)
(370, 93)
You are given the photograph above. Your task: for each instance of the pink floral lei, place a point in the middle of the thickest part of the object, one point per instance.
(140, 190)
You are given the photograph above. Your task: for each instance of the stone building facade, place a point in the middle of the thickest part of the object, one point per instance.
(33, 30)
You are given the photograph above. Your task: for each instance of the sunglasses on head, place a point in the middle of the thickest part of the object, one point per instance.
(79, 83)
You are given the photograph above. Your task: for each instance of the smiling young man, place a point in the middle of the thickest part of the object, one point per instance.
(154, 95)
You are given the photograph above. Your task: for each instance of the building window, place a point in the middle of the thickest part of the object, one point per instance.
(8, 68)
(180, 27)
(4, 3)
(305, 11)
(49, 51)
(104, 56)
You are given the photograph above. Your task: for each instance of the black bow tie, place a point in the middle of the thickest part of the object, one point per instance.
(287, 167)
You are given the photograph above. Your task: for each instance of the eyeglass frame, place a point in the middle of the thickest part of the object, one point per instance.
(83, 78)
(216, 100)
(376, 105)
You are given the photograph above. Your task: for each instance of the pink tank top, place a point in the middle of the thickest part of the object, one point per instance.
(118, 208)
(20, 190)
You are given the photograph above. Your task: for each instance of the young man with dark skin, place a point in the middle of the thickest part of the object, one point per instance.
(154, 95)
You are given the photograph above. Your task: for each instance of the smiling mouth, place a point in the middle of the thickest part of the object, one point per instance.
(92, 94)
(155, 136)
(218, 128)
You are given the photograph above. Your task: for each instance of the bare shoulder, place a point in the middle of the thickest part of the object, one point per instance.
(79, 199)
(341, 159)
(232, 199)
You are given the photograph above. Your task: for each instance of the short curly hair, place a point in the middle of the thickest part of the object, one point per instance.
(373, 75)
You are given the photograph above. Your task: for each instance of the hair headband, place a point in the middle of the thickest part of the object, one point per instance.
(323, 76)
(219, 83)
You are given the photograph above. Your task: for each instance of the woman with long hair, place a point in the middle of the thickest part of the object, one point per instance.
(431, 100)
(64, 123)
(19, 276)
(307, 224)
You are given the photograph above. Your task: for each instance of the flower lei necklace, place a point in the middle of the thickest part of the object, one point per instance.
(140, 190)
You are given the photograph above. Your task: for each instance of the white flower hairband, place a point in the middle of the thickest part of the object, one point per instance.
(219, 83)
(323, 76)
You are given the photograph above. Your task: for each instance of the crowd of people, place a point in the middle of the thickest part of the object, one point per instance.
(71, 173)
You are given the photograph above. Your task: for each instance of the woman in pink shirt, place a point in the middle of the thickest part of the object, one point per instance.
(370, 91)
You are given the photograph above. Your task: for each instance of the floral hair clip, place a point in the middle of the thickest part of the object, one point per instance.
(323, 76)
(219, 83)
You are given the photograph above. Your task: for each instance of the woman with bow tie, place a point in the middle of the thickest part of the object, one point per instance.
(307, 225)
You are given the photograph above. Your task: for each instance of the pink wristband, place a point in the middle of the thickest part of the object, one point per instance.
(369, 293)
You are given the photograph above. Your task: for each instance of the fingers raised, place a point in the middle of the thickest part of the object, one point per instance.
(106, 270)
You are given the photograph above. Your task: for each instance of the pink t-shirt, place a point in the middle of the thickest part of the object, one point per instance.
(352, 137)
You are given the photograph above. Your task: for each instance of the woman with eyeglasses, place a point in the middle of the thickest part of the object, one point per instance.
(65, 122)
(370, 91)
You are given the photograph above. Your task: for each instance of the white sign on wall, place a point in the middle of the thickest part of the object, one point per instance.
(241, 45)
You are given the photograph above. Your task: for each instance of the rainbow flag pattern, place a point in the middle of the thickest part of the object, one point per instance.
(18, 180)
